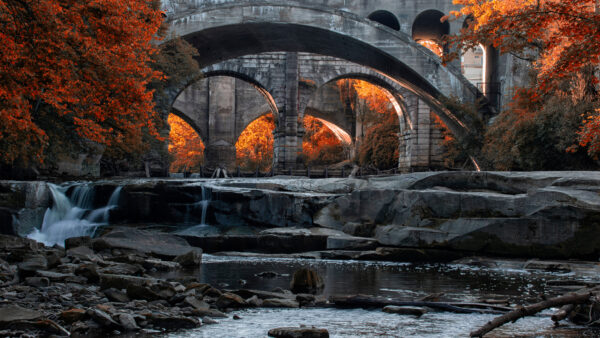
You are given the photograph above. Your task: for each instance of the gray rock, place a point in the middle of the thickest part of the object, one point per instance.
(128, 322)
(298, 332)
(191, 259)
(13, 313)
(103, 319)
(230, 300)
(172, 322)
(115, 295)
(73, 242)
(196, 303)
(159, 244)
(254, 301)
(350, 243)
(108, 281)
(278, 302)
(31, 263)
(209, 321)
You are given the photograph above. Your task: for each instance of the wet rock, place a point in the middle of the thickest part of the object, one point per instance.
(14, 313)
(254, 301)
(209, 321)
(212, 313)
(298, 332)
(196, 303)
(73, 315)
(305, 299)
(409, 255)
(236, 317)
(212, 292)
(548, 266)
(230, 300)
(306, 281)
(128, 322)
(159, 244)
(115, 295)
(278, 302)
(172, 322)
(405, 310)
(191, 259)
(122, 269)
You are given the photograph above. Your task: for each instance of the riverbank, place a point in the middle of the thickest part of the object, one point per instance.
(137, 281)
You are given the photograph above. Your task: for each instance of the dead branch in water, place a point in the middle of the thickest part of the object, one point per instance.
(530, 310)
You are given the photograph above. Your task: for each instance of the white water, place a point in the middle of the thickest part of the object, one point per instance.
(202, 227)
(74, 216)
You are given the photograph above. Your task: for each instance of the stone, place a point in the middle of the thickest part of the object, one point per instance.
(84, 253)
(159, 244)
(123, 269)
(350, 243)
(306, 281)
(209, 321)
(88, 271)
(267, 274)
(254, 301)
(160, 265)
(74, 242)
(191, 259)
(278, 302)
(213, 313)
(196, 303)
(103, 319)
(298, 332)
(115, 295)
(405, 310)
(172, 322)
(30, 264)
(73, 315)
(230, 300)
(37, 281)
(108, 281)
(128, 322)
(142, 292)
(14, 313)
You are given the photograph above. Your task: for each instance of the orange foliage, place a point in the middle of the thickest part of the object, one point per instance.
(86, 60)
(185, 146)
(560, 37)
(255, 145)
(432, 46)
(380, 145)
(320, 145)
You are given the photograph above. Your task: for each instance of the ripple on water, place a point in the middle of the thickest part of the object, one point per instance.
(366, 323)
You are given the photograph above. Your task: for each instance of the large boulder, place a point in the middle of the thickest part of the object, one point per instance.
(298, 332)
(148, 242)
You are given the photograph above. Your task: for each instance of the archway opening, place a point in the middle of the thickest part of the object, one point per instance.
(186, 148)
(429, 30)
(385, 18)
(254, 147)
(473, 66)
(377, 124)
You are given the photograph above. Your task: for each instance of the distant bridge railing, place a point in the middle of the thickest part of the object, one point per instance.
(310, 172)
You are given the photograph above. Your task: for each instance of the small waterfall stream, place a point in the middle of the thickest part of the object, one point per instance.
(201, 228)
(73, 216)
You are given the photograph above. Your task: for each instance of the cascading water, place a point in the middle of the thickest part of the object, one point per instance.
(74, 216)
(201, 228)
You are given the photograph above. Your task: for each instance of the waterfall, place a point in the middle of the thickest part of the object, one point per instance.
(201, 228)
(73, 216)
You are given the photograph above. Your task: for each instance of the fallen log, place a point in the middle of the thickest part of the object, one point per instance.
(530, 310)
(362, 301)
(563, 312)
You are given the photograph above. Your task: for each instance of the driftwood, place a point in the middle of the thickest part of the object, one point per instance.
(362, 301)
(530, 310)
(563, 312)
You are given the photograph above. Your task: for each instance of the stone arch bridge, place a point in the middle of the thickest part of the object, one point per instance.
(289, 49)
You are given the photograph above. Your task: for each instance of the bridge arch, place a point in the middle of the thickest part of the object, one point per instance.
(428, 26)
(227, 31)
(385, 18)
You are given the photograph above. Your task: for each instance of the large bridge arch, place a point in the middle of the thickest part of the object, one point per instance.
(226, 31)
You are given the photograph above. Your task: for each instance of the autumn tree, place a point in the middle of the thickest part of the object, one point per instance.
(380, 144)
(559, 37)
(185, 146)
(85, 62)
(320, 146)
(255, 145)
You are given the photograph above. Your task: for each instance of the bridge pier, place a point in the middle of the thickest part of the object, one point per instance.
(289, 130)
